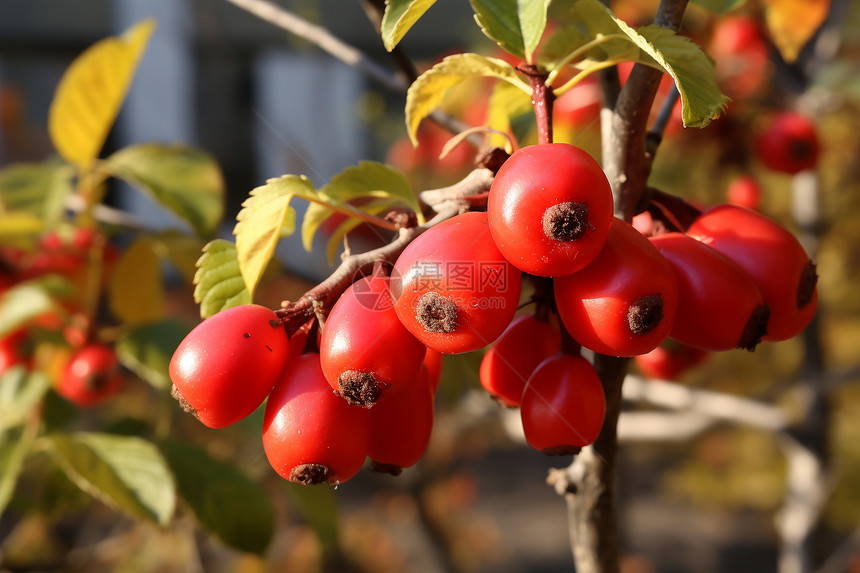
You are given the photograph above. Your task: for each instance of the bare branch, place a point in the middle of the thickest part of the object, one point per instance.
(321, 37)
(714, 405)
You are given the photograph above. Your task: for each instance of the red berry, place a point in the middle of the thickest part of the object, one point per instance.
(453, 289)
(550, 209)
(365, 350)
(10, 352)
(434, 362)
(91, 377)
(744, 191)
(508, 363)
(224, 369)
(624, 302)
(310, 434)
(670, 360)
(772, 256)
(563, 405)
(741, 55)
(788, 143)
(400, 426)
(720, 307)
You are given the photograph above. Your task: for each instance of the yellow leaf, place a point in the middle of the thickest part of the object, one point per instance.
(792, 23)
(135, 293)
(266, 216)
(91, 92)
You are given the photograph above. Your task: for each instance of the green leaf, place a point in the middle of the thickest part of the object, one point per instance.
(218, 281)
(399, 17)
(126, 472)
(135, 292)
(367, 180)
(11, 459)
(427, 92)
(693, 72)
(318, 506)
(147, 349)
(515, 25)
(689, 67)
(20, 391)
(185, 180)
(24, 302)
(38, 189)
(224, 501)
(12, 456)
(265, 217)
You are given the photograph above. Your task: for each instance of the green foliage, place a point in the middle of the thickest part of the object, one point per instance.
(399, 17)
(427, 92)
(218, 282)
(224, 501)
(125, 472)
(25, 302)
(12, 455)
(185, 180)
(680, 57)
(267, 216)
(20, 391)
(37, 189)
(515, 26)
(146, 349)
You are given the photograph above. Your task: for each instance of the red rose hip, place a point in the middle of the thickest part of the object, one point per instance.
(224, 369)
(550, 209)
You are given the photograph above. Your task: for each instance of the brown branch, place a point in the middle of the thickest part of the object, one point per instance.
(589, 482)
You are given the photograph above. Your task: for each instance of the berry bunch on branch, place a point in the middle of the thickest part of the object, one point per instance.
(350, 354)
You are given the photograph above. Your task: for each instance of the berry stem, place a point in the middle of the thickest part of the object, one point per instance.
(542, 98)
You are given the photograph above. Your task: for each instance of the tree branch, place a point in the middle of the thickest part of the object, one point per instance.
(322, 38)
(590, 479)
(320, 298)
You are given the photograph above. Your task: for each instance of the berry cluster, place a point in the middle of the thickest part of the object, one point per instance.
(362, 385)
(84, 371)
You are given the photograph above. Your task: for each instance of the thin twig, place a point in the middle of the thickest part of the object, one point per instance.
(321, 37)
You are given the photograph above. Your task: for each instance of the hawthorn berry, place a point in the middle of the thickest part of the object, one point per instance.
(744, 191)
(224, 368)
(453, 289)
(624, 302)
(772, 256)
(400, 426)
(91, 377)
(788, 143)
(720, 307)
(365, 350)
(510, 360)
(434, 362)
(310, 434)
(563, 405)
(670, 360)
(550, 209)
(10, 350)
